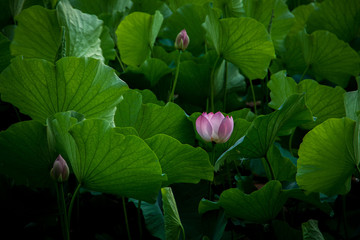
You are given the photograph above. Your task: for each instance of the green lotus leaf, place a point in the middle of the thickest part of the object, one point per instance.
(274, 12)
(323, 56)
(264, 129)
(260, 206)
(326, 157)
(110, 162)
(5, 56)
(25, 154)
(324, 102)
(136, 36)
(173, 226)
(51, 34)
(153, 69)
(151, 119)
(40, 89)
(341, 17)
(243, 42)
(181, 163)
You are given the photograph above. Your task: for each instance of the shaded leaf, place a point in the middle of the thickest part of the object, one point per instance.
(5, 56)
(25, 155)
(283, 168)
(311, 230)
(340, 17)
(44, 39)
(189, 17)
(173, 226)
(260, 206)
(153, 69)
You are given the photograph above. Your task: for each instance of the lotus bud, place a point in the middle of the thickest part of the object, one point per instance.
(60, 170)
(182, 40)
(214, 127)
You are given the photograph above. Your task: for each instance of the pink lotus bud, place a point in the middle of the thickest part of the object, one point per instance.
(182, 40)
(60, 170)
(214, 127)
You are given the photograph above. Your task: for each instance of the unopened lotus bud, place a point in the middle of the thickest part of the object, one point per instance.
(60, 170)
(182, 40)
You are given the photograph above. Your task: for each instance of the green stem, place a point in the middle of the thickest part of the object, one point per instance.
(183, 232)
(212, 85)
(225, 84)
(358, 169)
(270, 168)
(305, 71)
(120, 62)
(290, 142)
(139, 219)
(253, 95)
(171, 97)
(126, 219)
(62, 210)
(72, 202)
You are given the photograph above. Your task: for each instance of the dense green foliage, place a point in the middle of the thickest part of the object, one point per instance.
(92, 80)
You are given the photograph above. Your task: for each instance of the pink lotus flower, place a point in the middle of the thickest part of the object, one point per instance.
(182, 40)
(214, 127)
(60, 171)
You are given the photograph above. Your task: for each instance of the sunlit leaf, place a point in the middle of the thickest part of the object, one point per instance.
(40, 89)
(136, 35)
(59, 139)
(274, 12)
(40, 32)
(151, 119)
(324, 102)
(243, 42)
(181, 163)
(113, 163)
(82, 31)
(326, 157)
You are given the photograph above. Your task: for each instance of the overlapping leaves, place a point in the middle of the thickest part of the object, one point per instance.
(51, 34)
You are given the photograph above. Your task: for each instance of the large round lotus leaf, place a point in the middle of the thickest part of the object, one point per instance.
(326, 157)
